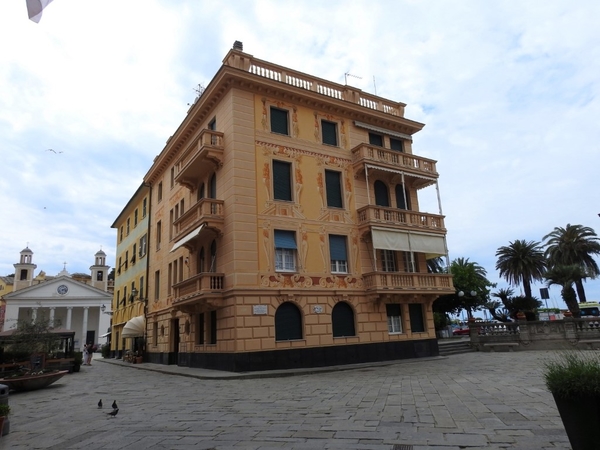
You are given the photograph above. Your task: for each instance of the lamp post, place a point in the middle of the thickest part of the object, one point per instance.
(104, 311)
(472, 294)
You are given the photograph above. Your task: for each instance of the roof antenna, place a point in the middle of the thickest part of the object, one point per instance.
(346, 75)
(374, 85)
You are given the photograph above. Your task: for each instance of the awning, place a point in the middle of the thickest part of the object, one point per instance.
(430, 244)
(382, 130)
(399, 172)
(187, 238)
(135, 327)
(106, 334)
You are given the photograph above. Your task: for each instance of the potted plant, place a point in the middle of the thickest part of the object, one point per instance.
(574, 381)
(4, 412)
(77, 361)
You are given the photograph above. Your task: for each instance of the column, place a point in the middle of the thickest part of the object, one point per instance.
(84, 326)
(69, 316)
(52, 308)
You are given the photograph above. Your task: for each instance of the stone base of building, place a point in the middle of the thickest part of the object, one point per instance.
(301, 357)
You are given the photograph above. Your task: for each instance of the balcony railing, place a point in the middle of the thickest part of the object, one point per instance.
(384, 158)
(203, 156)
(206, 211)
(406, 281)
(203, 284)
(310, 83)
(400, 218)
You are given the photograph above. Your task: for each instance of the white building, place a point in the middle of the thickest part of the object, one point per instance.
(66, 302)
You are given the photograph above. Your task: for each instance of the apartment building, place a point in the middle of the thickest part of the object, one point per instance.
(285, 228)
(131, 274)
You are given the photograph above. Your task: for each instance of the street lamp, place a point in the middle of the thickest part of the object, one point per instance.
(472, 294)
(103, 309)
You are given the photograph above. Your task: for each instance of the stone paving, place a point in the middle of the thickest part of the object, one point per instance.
(468, 401)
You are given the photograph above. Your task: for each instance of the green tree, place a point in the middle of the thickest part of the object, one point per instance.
(566, 276)
(34, 337)
(468, 278)
(574, 244)
(521, 262)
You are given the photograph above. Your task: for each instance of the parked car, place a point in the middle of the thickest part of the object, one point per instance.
(461, 331)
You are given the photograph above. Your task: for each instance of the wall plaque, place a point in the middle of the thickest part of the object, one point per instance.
(259, 310)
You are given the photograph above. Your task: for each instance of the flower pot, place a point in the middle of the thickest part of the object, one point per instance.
(580, 416)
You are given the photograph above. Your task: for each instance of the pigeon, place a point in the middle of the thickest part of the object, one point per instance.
(114, 405)
(114, 412)
(100, 404)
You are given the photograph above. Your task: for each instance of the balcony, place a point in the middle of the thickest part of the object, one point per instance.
(399, 219)
(407, 282)
(206, 211)
(379, 158)
(199, 293)
(201, 158)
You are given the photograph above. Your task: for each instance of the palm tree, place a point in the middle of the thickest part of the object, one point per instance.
(565, 276)
(574, 244)
(521, 262)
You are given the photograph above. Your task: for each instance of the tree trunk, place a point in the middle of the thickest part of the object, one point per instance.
(568, 295)
(527, 288)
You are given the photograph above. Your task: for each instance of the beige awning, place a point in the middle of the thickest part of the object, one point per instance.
(188, 237)
(368, 126)
(135, 327)
(430, 244)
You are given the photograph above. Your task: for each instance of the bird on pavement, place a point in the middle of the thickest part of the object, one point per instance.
(100, 404)
(114, 405)
(114, 412)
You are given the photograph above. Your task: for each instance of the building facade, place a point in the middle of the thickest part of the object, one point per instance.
(131, 275)
(65, 301)
(286, 230)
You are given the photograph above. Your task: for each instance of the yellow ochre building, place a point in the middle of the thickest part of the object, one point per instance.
(285, 230)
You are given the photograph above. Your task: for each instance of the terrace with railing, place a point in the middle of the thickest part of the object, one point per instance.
(400, 219)
(384, 282)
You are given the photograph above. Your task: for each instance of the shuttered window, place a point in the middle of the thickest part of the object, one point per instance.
(279, 121)
(285, 251)
(329, 132)
(376, 139)
(333, 186)
(342, 319)
(288, 322)
(415, 311)
(282, 180)
(337, 250)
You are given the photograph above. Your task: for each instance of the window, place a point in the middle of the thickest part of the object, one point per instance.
(159, 195)
(201, 261)
(118, 298)
(158, 234)
(333, 186)
(382, 197)
(141, 288)
(342, 319)
(338, 254)
(156, 285)
(329, 132)
(401, 197)
(128, 225)
(282, 180)
(121, 233)
(213, 186)
(410, 264)
(397, 144)
(132, 296)
(213, 327)
(143, 245)
(200, 193)
(133, 254)
(388, 261)
(285, 251)
(23, 275)
(125, 295)
(171, 226)
(99, 276)
(172, 177)
(415, 312)
(155, 333)
(135, 218)
(126, 259)
(394, 318)
(169, 277)
(213, 257)
(279, 121)
(288, 322)
(200, 333)
(144, 207)
(376, 139)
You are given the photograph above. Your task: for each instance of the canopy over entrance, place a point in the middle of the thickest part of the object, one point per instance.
(135, 327)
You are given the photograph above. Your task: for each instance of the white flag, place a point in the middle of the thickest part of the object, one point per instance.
(35, 7)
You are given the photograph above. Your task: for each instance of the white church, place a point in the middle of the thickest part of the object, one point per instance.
(68, 301)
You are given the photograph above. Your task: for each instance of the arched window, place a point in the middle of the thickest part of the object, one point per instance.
(201, 261)
(200, 194)
(213, 256)
(288, 322)
(213, 186)
(382, 197)
(342, 318)
(402, 199)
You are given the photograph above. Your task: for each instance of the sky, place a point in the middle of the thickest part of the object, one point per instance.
(508, 92)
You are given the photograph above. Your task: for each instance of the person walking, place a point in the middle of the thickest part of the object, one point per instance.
(85, 354)
(91, 349)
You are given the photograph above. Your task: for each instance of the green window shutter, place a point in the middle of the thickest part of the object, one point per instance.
(329, 131)
(333, 186)
(279, 121)
(282, 180)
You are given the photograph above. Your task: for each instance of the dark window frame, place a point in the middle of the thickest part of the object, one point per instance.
(329, 135)
(280, 121)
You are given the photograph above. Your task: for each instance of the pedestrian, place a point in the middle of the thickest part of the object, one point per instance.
(85, 354)
(91, 350)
